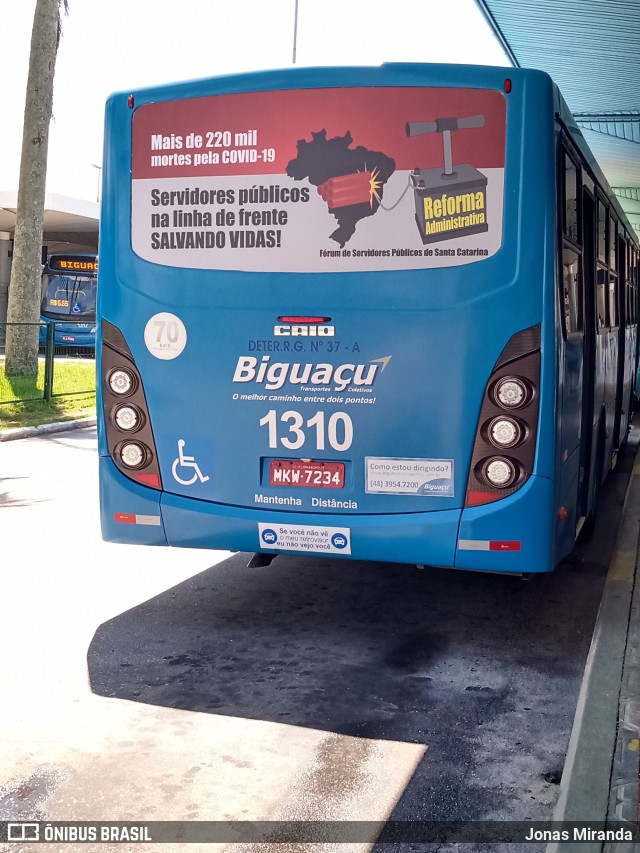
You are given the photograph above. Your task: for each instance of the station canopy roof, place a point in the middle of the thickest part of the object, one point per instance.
(591, 48)
(66, 220)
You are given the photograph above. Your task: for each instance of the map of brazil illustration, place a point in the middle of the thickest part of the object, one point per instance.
(350, 180)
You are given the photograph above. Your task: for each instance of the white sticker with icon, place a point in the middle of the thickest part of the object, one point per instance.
(185, 469)
(165, 335)
(304, 537)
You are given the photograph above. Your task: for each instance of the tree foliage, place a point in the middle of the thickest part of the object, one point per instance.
(23, 310)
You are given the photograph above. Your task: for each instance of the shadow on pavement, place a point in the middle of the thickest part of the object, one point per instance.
(358, 648)
(485, 669)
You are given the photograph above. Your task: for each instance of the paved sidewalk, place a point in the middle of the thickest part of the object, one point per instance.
(45, 429)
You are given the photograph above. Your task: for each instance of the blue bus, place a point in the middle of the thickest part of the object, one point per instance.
(383, 313)
(68, 299)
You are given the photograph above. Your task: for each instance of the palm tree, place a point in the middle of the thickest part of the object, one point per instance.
(24, 286)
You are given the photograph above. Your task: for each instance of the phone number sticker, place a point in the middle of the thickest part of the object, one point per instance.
(303, 537)
(400, 476)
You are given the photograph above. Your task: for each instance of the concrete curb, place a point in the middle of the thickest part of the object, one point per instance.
(589, 766)
(45, 429)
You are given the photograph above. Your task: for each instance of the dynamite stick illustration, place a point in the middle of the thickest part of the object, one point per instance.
(453, 202)
(350, 189)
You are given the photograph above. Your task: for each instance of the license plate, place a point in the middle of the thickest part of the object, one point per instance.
(306, 473)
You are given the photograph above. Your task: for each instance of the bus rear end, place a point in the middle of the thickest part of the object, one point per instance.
(319, 331)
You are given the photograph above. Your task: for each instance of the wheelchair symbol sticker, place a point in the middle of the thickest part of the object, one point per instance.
(185, 469)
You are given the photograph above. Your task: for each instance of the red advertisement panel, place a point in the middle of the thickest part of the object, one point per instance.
(323, 179)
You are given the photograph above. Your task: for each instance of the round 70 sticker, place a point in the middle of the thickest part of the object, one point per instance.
(165, 335)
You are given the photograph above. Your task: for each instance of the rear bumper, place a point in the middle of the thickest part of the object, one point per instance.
(409, 538)
(509, 536)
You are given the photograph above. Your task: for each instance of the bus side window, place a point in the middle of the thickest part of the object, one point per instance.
(630, 284)
(602, 284)
(571, 281)
(602, 273)
(613, 301)
(613, 270)
(602, 232)
(629, 289)
(634, 303)
(570, 222)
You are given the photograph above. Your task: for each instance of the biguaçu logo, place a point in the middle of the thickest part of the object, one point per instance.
(442, 485)
(276, 374)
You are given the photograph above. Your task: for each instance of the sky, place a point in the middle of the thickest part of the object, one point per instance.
(116, 45)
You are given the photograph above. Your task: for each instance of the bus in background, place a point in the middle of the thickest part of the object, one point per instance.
(369, 313)
(69, 288)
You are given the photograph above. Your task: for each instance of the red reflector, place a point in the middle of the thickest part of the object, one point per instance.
(507, 85)
(479, 498)
(504, 546)
(124, 518)
(130, 102)
(152, 480)
(303, 319)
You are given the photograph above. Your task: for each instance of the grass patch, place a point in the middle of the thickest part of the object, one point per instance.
(22, 400)
(40, 412)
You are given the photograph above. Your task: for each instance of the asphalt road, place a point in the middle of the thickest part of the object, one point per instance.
(161, 684)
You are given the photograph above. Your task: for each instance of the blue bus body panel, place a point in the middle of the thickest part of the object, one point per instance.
(421, 391)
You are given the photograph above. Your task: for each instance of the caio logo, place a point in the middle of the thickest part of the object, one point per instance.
(304, 327)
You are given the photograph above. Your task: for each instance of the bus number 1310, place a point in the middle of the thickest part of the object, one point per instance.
(338, 430)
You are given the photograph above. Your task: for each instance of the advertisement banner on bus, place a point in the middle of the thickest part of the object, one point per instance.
(320, 180)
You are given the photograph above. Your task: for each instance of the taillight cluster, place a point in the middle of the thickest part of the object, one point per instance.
(129, 435)
(504, 447)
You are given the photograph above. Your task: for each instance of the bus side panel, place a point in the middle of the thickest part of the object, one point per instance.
(130, 513)
(512, 535)
(568, 491)
(631, 348)
(570, 404)
(610, 391)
